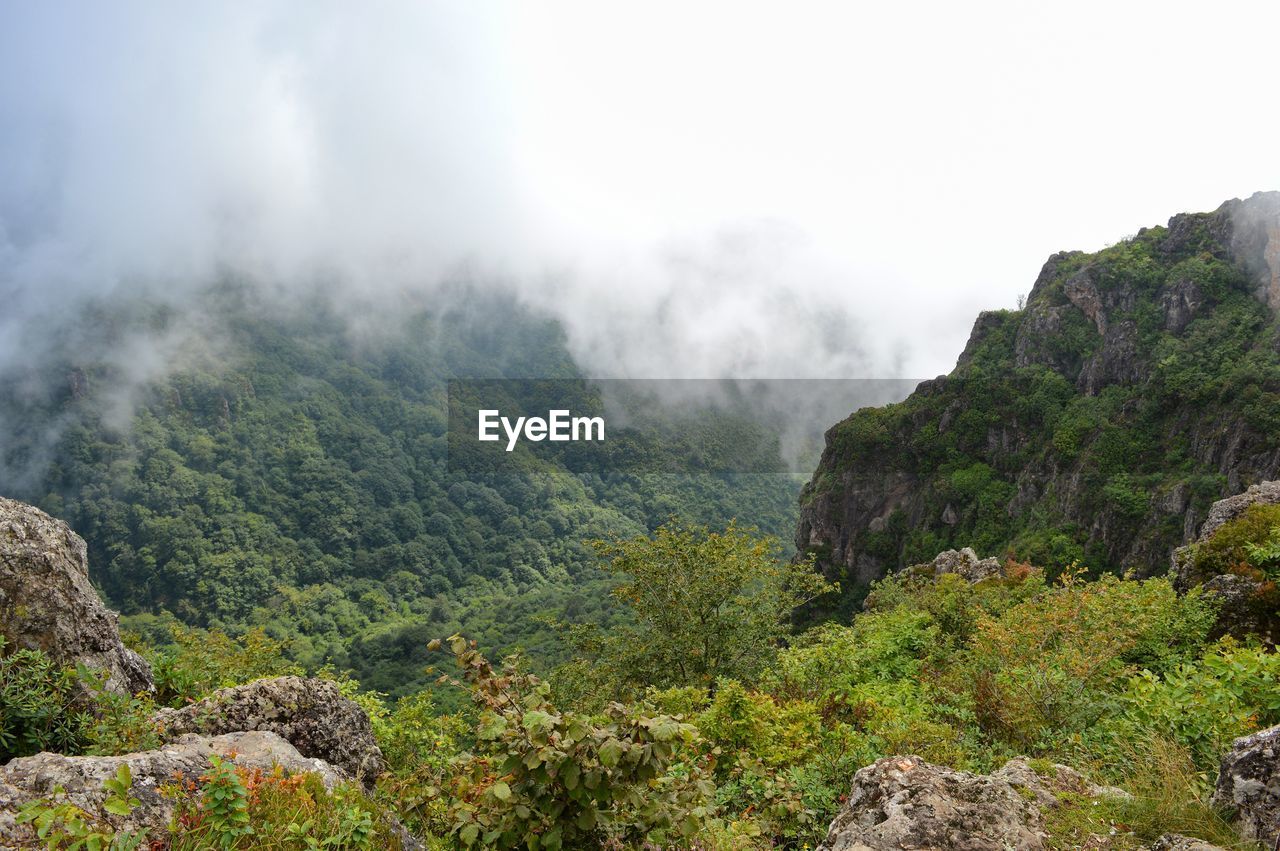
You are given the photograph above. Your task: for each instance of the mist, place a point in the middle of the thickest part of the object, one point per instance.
(740, 190)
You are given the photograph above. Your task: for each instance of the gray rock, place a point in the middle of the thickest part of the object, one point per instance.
(903, 802)
(81, 777)
(963, 562)
(47, 602)
(1225, 510)
(311, 714)
(1046, 787)
(1249, 783)
(1178, 842)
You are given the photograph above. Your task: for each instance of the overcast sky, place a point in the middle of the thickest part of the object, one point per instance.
(694, 188)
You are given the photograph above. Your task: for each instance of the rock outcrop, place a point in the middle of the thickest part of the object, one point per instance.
(311, 714)
(47, 602)
(1249, 784)
(1243, 607)
(1069, 475)
(1225, 510)
(81, 777)
(963, 562)
(904, 802)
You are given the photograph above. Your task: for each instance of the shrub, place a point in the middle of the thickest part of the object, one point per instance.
(1046, 668)
(40, 705)
(776, 732)
(1201, 705)
(1239, 541)
(543, 778)
(243, 808)
(199, 662)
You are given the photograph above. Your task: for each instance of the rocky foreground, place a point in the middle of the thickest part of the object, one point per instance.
(305, 725)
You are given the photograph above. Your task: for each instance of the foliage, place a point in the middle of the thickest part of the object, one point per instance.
(705, 606)
(192, 663)
(1247, 541)
(1032, 447)
(1043, 670)
(63, 825)
(300, 482)
(224, 804)
(544, 778)
(39, 705)
(242, 808)
(1203, 704)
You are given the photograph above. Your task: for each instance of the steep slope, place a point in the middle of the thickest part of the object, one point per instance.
(1138, 384)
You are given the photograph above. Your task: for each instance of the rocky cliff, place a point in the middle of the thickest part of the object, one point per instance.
(47, 602)
(1098, 423)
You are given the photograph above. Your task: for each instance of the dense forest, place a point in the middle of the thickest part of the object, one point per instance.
(294, 477)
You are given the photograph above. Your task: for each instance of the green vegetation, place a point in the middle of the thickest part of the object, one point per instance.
(298, 482)
(1245, 544)
(1116, 677)
(704, 606)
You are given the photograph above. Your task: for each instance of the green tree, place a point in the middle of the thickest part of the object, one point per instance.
(705, 606)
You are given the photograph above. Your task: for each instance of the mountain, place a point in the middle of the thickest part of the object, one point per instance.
(1095, 425)
(286, 467)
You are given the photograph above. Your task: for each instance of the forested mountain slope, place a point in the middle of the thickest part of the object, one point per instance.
(1137, 385)
(293, 476)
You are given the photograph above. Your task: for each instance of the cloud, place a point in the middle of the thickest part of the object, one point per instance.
(731, 188)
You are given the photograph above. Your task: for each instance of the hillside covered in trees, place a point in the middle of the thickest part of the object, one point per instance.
(287, 470)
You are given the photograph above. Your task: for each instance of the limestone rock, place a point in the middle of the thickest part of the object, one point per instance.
(1178, 842)
(32, 777)
(1249, 783)
(964, 562)
(47, 602)
(1047, 786)
(905, 802)
(311, 714)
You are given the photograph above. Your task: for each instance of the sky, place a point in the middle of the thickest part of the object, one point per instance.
(695, 189)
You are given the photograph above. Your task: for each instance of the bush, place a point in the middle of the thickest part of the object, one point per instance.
(1047, 669)
(41, 705)
(243, 808)
(199, 662)
(542, 778)
(1241, 542)
(1201, 705)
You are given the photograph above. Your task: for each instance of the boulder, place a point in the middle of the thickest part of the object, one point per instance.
(1056, 779)
(309, 713)
(963, 562)
(184, 760)
(1249, 784)
(47, 602)
(905, 802)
